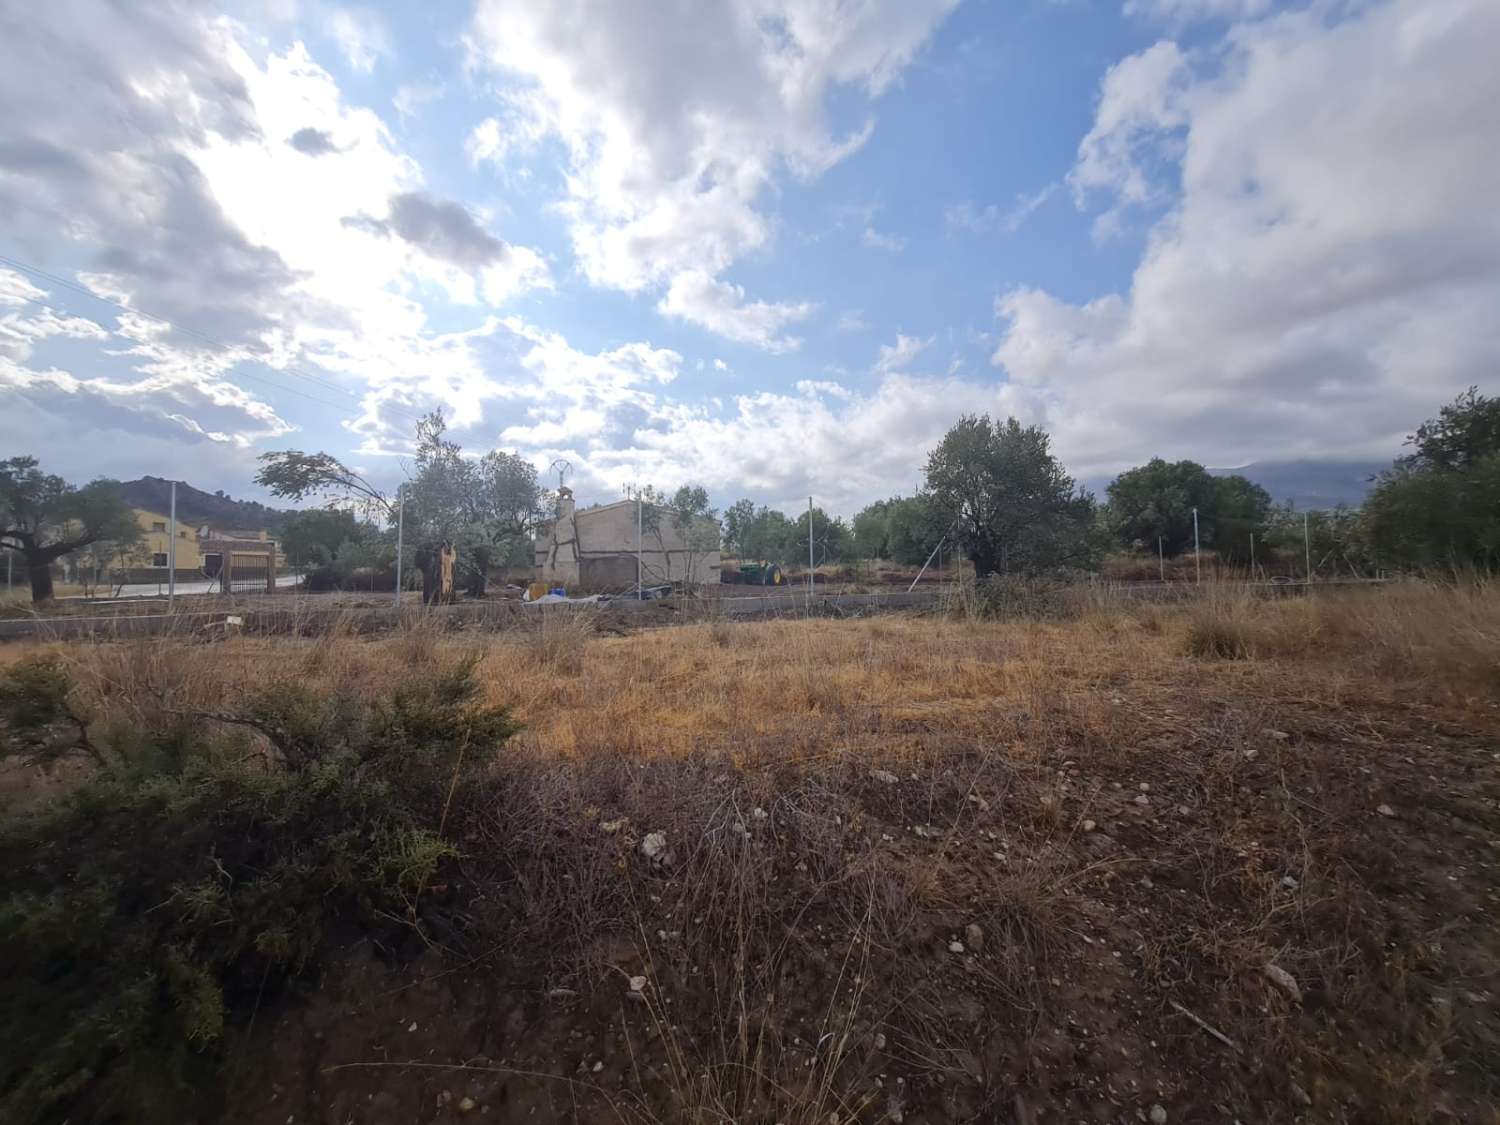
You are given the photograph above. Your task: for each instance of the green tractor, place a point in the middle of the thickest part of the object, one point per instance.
(756, 574)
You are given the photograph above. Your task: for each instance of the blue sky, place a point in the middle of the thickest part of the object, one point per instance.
(774, 247)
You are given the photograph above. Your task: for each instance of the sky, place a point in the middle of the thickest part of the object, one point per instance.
(775, 247)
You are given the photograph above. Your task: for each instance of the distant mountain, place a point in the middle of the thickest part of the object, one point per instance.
(195, 507)
(1312, 484)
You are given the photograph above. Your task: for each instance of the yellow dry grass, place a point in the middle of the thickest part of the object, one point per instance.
(807, 689)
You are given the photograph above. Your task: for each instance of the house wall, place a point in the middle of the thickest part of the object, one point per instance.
(606, 551)
(155, 542)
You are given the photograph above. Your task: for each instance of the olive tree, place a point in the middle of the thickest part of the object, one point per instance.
(43, 518)
(1010, 503)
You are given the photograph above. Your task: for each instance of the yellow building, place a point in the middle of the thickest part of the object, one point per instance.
(154, 550)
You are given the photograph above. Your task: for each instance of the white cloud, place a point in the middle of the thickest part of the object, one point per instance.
(852, 321)
(898, 356)
(844, 448)
(1180, 12)
(410, 97)
(157, 146)
(1329, 272)
(485, 142)
(361, 35)
(16, 290)
(676, 125)
(1143, 100)
(20, 333)
(877, 240)
(720, 307)
(991, 219)
(720, 365)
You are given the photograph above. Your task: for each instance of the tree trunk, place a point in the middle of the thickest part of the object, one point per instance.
(41, 579)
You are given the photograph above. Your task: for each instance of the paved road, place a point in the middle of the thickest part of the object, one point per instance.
(153, 589)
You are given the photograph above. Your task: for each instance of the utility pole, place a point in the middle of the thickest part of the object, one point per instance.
(1307, 547)
(1197, 556)
(640, 524)
(400, 543)
(1161, 560)
(1252, 556)
(172, 551)
(809, 554)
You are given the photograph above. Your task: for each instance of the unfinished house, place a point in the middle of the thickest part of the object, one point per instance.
(594, 549)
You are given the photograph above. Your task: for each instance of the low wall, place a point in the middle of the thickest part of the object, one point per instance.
(497, 615)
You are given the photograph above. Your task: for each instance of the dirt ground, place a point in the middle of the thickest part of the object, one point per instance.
(921, 871)
(1221, 860)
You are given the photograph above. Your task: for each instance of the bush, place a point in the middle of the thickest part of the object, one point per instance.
(201, 867)
(1007, 597)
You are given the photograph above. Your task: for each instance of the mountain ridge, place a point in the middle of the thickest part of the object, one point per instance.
(194, 506)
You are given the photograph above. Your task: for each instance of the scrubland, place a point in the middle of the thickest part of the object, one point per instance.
(1090, 858)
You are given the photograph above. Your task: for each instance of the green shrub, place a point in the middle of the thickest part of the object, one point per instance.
(197, 870)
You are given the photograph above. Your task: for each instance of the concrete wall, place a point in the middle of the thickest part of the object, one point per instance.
(603, 542)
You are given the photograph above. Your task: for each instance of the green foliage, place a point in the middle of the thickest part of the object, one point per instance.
(904, 529)
(295, 475)
(1156, 501)
(739, 517)
(1010, 503)
(43, 517)
(1465, 433)
(1437, 519)
(1241, 509)
(314, 537)
(192, 875)
(832, 540)
(1439, 508)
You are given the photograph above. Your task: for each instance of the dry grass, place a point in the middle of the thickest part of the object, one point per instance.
(808, 907)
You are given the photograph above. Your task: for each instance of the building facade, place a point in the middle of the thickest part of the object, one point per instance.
(155, 550)
(596, 549)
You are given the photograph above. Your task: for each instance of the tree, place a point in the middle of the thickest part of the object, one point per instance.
(43, 517)
(97, 559)
(314, 536)
(914, 526)
(1465, 432)
(832, 540)
(294, 475)
(767, 537)
(1011, 504)
(696, 522)
(1437, 519)
(512, 503)
(1156, 501)
(1241, 509)
(487, 508)
(1439, 507)
(738, 519)
(869, 529)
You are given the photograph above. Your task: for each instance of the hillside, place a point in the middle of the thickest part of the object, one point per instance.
(1313, 485)
(194, 506)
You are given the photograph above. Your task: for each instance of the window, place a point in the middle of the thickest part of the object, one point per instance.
(158, 525)
(182, 535)
(159, 559)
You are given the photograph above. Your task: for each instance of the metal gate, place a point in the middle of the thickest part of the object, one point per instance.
(246, 574)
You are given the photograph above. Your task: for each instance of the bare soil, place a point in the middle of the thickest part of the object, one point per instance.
(1040, 882)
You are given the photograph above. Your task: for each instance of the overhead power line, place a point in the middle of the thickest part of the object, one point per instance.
(291, 369)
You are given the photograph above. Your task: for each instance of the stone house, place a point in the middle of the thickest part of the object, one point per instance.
(595, 549)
